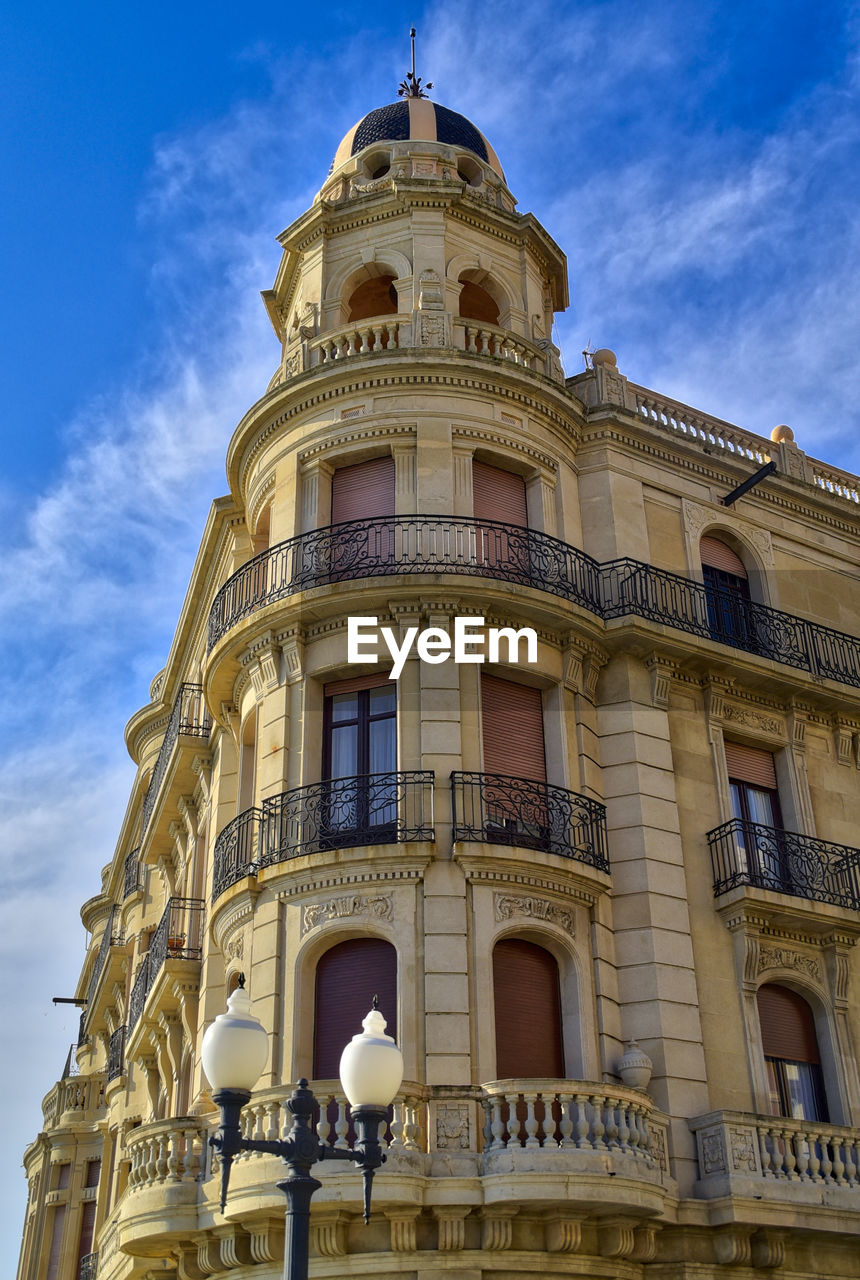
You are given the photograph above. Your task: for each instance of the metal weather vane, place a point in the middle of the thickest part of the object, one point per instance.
(410, 86)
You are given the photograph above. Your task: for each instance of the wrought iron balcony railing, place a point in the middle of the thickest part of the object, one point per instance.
(178, 936)
(116, 1054)
(88, 1267)
(498, 809)
(748, 853)
(112, 937)
(131, 873)
(190, 718)
(385, 545)
(341, 813)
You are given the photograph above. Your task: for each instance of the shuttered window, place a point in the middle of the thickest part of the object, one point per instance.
(528, 1011)
(718, 555)
(750, 764)
(498, 495)
(365, 490)
(88, 1222)
(787, 1024)
(349, 975)
(512, 723)
(790, 1046)
(56, 1254)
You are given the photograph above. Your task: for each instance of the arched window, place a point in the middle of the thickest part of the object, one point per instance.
(795, 1082)
(349, 975)
(528, 1011)
(477, 304)
(247, 763)
(374, 297)
(730, 615)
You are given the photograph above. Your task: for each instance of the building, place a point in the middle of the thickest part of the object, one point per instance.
(609, 899)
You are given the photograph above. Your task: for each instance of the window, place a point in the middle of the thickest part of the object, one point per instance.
(755, 807)
(528, 1012)
(360, 754)
(795, 1082)
(500, 496)
(365, 493)
(348, 976)
(516, 803)
(727, 595)
(88, 1222)
(93, 1172)
(375, 297)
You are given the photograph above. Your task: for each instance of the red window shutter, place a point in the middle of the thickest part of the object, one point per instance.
(498, 495)
(750, 764)
(528, 1012)
(787, 1025)
(512, 721)
(88, 1222)
(718, 555)
(365, 490)
(349, 975)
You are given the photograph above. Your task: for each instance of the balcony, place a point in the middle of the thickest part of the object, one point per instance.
(131, 881)
(74, 1099)
(748, 853)
(88, 1267)
(189, 718)
(384, 546)
(496, 809)
(776, 1158)
(111, 937)
(342, 813)
(116, 1054)
(178, 936)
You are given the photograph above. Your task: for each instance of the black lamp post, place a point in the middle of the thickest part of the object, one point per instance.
(234, 1052)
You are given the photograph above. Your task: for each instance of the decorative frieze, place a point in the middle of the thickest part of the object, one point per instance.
(783, 958)
(747, 718)
(452, 1126)
(509, 905)
(379, 907)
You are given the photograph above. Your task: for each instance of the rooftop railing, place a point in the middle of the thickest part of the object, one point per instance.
(190, 718)
(499, 809)
(749, 853)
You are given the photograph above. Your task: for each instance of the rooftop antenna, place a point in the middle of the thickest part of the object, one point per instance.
(410, 86)
(587, 354)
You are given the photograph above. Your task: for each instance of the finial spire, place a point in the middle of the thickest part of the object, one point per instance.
(410, 86)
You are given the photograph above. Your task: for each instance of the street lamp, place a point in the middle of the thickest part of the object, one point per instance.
(234, 1052)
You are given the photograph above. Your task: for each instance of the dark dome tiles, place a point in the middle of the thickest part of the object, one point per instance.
(457, 131)
(385, 124)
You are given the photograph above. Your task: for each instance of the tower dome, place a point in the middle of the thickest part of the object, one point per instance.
(416, 119)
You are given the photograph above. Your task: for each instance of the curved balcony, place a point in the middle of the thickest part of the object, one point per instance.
(112, 937)
(383, 546)
(178, 936)
(188, 718)
(497, 809)
(749, 853)
(341, 813)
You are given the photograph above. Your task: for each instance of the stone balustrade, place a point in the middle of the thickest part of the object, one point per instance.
(382, 333)
(573, 1115)
(75, 1097)
(775, 1157)
(167, 1151)
(266, 1117)
(489, 340)
(712, 433)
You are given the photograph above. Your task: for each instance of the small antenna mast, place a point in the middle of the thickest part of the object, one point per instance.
(410, 86)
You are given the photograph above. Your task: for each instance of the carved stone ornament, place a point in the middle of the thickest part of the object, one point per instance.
(379, 907)
(452, 1126)
(713, 1151)
(508, 905)
(783, 958)
(430, 296)
(752, 719)
(743, 1146)
(433, 330)
(234, 949)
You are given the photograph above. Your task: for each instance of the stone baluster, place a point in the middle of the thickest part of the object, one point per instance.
(826, 1161)
(514, 1125)
(161, 1162)
(814, 1157)
(597, 1125)
(565, 1124)
(582, 1126)
(174, 1158)
(611, 1124)
(412, 1132)
(788, 1158)
(398, 1124)
(324, 1128)
(471, 335)
(623, 1127)
(801, 1154)
(272, 1110)
(838, 1162)
(377, 338)
(341, 1125)
(532, 1124)
(852, 1161)
(151, 1158)
(764, 1153)
(497, 1124)
(193, 1157)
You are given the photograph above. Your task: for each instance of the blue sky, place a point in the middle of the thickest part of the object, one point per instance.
(697, 161)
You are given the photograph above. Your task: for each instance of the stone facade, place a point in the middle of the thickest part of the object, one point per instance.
(580, 1175)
